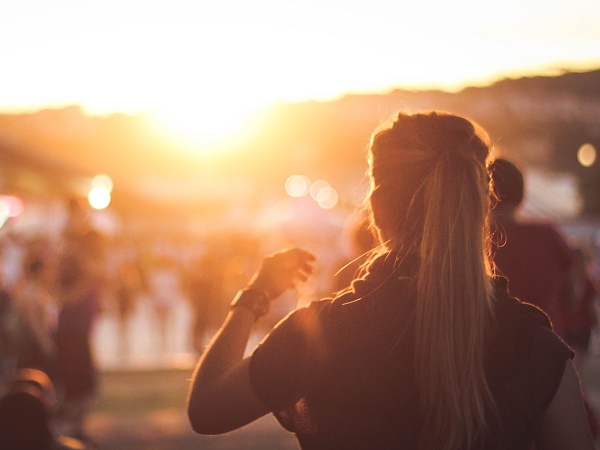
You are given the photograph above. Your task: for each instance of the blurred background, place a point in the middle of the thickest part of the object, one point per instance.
(194, 137)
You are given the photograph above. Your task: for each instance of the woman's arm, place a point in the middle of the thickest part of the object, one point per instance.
(564, 424)
(221, 397)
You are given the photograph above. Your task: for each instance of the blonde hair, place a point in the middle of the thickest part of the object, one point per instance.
(430, 198)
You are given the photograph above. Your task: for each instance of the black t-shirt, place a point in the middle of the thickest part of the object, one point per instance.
(340, 373)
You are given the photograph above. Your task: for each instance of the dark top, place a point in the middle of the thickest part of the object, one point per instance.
(340, 374)
(537, 261)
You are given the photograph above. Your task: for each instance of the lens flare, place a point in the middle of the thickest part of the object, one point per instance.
(297, 186)
(103, 181)
(327, 198)
(316, 187)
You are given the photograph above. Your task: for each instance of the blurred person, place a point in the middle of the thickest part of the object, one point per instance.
(203, 286)
(77, 222)
(581, 307)
(426, 350)
(9, 332)
(127, 287)
(80, 281)
(38, 314)
(538, 263)
(27, 415)
(164, 291)
(13, 250)
(534, 257)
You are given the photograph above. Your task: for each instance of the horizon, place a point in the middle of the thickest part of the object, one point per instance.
(206, 68)
(549, 72)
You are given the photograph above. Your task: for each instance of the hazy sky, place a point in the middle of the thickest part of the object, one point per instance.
(204, 59)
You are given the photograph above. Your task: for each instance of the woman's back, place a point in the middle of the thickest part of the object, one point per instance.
(421, 353)
(353, 358)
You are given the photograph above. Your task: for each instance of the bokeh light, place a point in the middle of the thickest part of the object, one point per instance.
(316, 188)
(14, 205)
(4, 210)
(327, 197)
(10, 206)
(586, 155)
(103, 181)
(297, 186)
(99, 198)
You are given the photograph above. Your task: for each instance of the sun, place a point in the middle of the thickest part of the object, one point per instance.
(204, 123)
(207, 116)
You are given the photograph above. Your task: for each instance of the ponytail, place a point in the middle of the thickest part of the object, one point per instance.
(453, 307)
(430, 192)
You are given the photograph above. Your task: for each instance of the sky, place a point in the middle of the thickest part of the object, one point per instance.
(213, 62)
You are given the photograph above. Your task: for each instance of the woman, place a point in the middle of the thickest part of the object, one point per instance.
(426, 350)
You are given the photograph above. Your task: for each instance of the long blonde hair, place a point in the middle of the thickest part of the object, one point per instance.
(430, 199)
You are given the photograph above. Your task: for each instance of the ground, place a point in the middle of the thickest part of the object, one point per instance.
(145, 409)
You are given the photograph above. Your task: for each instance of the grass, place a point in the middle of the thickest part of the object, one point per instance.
(146, 409)
(142, 391)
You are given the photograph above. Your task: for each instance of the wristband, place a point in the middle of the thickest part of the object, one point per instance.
(255, 300)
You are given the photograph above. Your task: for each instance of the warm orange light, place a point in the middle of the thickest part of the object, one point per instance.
(4, 211)
(102, 181)
(297, 186)
(10, 206)
(14, 205)
(327, 197)
(586, 155)
(99, 198)
(316, 188)
(197, 128)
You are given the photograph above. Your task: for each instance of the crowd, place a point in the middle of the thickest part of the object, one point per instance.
(52, 296)
(55, 290)
(52, 292)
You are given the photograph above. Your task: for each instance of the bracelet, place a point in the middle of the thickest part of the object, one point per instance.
(254, 299)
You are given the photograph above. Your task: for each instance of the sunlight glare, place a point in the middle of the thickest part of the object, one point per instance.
(204, 123)
(137, 56)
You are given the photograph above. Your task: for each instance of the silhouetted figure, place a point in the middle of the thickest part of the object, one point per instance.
(534, 257)
(27, 415)
(80, 296)
(581, 306)
(427, 350)
(538, 263)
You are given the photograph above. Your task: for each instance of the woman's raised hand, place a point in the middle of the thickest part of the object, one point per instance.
(282, 270)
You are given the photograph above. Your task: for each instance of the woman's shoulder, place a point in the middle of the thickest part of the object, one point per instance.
(522, 335)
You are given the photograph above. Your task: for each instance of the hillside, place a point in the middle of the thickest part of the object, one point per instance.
(538, 121)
